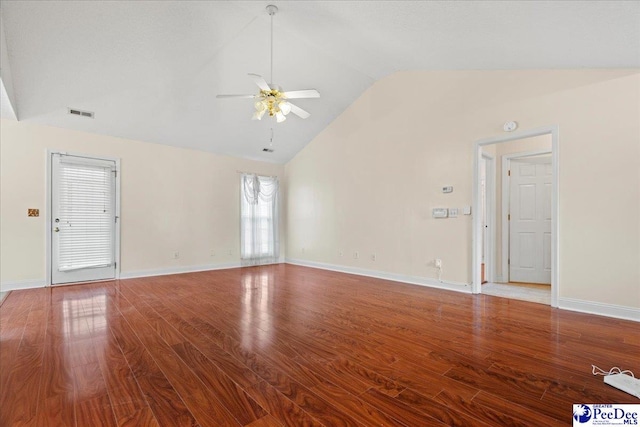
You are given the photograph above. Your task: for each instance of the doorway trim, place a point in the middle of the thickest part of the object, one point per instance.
(490, 209)
(49, 188)
(506, 203)
(476, 223)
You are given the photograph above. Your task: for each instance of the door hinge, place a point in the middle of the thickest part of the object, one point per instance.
(115, 173)
(115, 265)
(509, 172)
(116, 219)
(508, 217)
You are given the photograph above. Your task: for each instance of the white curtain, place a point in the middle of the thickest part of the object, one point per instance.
(258, 219)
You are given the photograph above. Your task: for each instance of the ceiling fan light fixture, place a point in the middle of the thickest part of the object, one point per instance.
(258, 114)
(271, 98)
(285, 107)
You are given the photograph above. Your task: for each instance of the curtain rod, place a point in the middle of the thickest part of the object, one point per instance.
(254, 173)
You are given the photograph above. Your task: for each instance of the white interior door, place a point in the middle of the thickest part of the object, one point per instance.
(83, 219)
(530, 220)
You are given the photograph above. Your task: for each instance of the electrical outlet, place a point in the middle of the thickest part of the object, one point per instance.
(438, 263)
(176, 255)
(302, 250)
(356, 255)
(213, 253)
(340, 253)
(373, 257)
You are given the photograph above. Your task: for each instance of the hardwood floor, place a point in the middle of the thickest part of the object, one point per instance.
(540, 294)
(292, 346)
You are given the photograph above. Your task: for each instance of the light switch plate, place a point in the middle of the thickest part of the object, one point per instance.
(453, 212)
(440, 212)
(466, 210)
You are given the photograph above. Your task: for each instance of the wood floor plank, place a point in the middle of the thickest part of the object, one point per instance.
(445, 414)
(370, 377)
(284, 345)
(201, 339)
(280, 407)
(26, 370)
(134, 414)
(230, 394)
(266, 421)
(120, 381)
(356, 408)
(498, 411)
(177, 377)
(406, 414)
(167, 406)
(164, 402)
(95, 412)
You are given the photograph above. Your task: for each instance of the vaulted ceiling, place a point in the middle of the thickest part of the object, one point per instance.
(151, 70)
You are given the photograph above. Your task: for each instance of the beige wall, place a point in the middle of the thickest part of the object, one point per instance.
(368, 182)
(172, 200)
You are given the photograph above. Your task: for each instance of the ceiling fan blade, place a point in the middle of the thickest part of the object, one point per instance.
(260, 81)
(307, 93)
(299, 111)
(235, 96)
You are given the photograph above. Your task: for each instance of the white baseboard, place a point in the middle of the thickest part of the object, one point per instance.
(40, 283)
(423, 281)
(609, 310)
(590, 307)
(22, 284)
(177, 270)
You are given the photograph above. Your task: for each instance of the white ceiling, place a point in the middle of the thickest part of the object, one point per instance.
(150, 70)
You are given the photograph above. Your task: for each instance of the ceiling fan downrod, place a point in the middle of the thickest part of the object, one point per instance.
(272, 10)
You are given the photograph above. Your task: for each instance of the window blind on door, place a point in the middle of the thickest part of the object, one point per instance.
(86, 215)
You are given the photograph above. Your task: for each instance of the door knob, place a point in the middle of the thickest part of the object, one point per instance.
(57, 229)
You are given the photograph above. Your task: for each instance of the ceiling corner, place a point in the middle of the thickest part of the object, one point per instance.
(7, 97)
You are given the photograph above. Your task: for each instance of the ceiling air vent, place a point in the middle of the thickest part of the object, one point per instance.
(81, 113)
(268, 150)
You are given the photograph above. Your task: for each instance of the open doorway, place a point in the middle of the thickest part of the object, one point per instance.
(515, 230)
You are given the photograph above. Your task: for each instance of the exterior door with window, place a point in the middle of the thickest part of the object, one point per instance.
(83, 219)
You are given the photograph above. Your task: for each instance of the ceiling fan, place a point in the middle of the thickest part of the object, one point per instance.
(272, 99)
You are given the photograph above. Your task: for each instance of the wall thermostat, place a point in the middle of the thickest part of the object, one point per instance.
(448, 189)
(510, 126)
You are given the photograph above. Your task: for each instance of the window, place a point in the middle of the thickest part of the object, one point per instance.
(258, 219)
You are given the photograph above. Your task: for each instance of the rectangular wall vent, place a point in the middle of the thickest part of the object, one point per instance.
(268, 150)
(81, 113)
